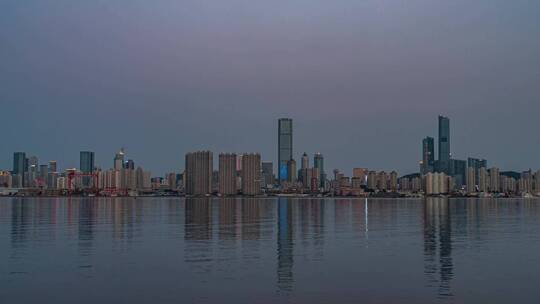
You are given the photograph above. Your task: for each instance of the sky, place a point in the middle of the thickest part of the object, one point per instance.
(363, 80)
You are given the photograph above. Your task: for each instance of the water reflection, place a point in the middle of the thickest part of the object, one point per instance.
(438, 244)
(266, 243)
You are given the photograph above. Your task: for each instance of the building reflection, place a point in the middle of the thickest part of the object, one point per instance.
(228, 219)
(285, 243)
(438, 267)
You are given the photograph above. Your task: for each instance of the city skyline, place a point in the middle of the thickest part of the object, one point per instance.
(297, 156)
(361, 79)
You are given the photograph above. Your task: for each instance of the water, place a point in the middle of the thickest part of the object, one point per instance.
(161, 250)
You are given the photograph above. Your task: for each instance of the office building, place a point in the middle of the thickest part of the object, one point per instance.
(444, 144)
(119, 160)
(458, 171)
(291, 170)
(199, 168)
(494, 180)
(476, 164)
(471, 180)
(53, 166)
(318, 163)
(20, 167)
(251, 174)
(86, 166)
(227, 174)
(428, 155)
(268, 174)
(305, 161)
(285, 147)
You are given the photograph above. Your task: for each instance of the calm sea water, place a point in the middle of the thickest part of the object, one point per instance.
(160, 250)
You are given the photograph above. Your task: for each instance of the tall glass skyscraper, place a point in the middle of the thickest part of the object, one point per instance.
(20, 166)
(86, 166)
(428, 154)
(285, 147)
(87, 162)
(444, 144)
(318, 163)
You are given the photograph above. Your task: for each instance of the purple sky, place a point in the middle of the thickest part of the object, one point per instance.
(364, 81)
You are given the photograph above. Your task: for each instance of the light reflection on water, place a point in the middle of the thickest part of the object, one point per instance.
(149, 250)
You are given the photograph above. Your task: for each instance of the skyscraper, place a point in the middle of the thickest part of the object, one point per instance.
(318, 163)
(53, 166)
(291, 169)
(428, 155)
(251, 174)
(476, 164)
(20, 166)
(285, 147)
(268, 174)
(199, 168)
(119, 160)
(227, 174)
(444, 144)
(86, 166)
(86, 161)
(305, 161)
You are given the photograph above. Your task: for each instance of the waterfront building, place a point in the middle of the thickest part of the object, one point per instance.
(476, 164)
(86, 166)
(458, 171)
(362, 174)
(305, 161)
(268, 174)
(483, 180)
(53, 166)
(227, 174)
(285, 147)
(382, 181)
(471, 180)
(404, 184)
(393, 181)
(130, 164)
(494, 183)
(444, 144)
(291, 170)
(6, 180)
(428, 155)
(251, 174)
(372, 180)
(198, 167)
(318, 162)
(119, 160)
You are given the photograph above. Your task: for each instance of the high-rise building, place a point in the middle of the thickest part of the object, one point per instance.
(471, 180)
(227, 174)
(251, 174)
(285, 147)
(458, 171)
(86, 161)
(291, 170)
(494, 183)
(428, 155)
(318, 163)
(483, 180)
(130, 164)
(393, 181)
(305, 161)
(86, 166)
(119, 160)
(361, 173)
(53, 166)
(268, 174)
(199, 168)
(476, 164)
(444, 144)
(20, 167)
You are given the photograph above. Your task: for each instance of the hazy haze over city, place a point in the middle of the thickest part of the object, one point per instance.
(363, 81)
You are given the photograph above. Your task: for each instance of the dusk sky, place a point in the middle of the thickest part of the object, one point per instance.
(363, 81)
